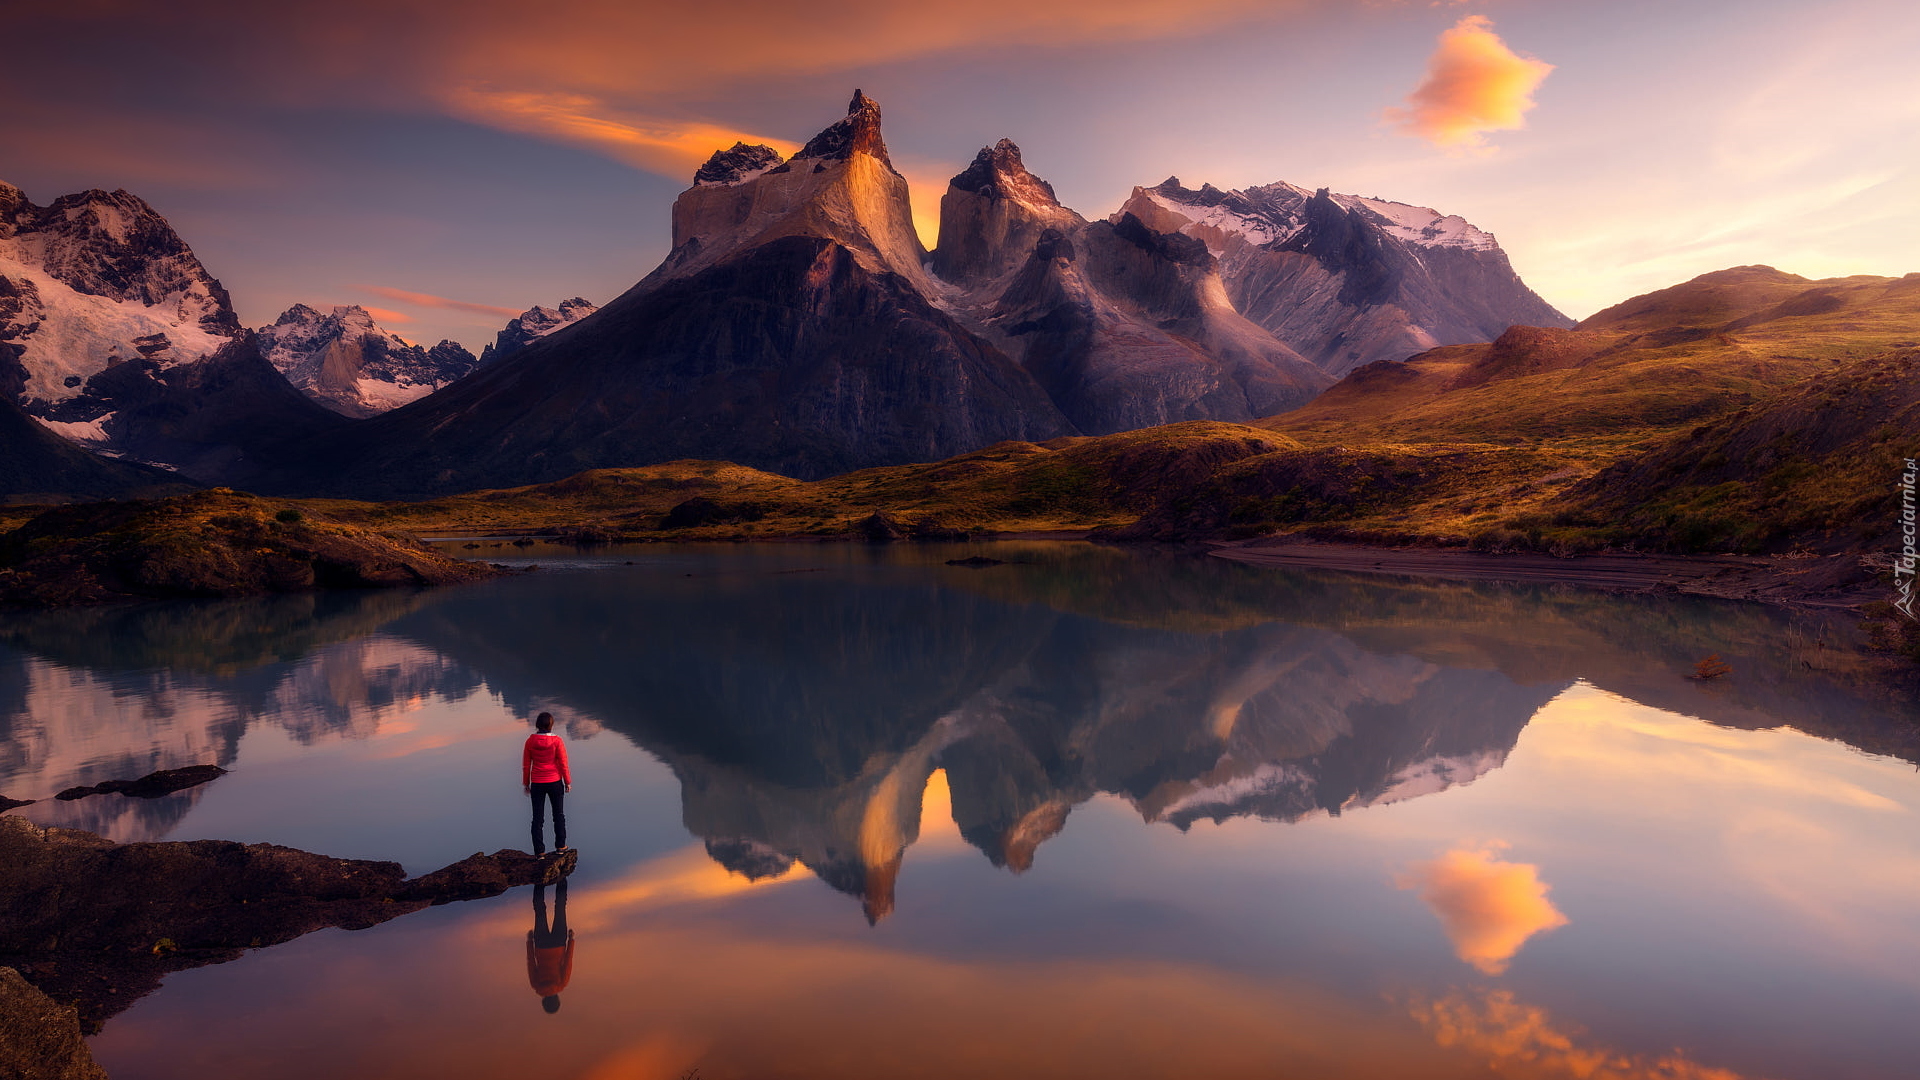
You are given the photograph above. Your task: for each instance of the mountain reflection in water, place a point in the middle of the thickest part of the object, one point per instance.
(804, 712)
(826, 712)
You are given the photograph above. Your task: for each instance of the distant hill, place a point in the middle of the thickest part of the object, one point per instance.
(1668, 359)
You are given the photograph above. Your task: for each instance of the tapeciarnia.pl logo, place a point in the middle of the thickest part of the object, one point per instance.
(1903, 566)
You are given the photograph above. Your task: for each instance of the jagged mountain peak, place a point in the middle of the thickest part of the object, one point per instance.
(1346, 279)
(534, 323)
(992, 214)
(91, 281)
(857, 133)
(998, 173)
(839, 187)
(349, 364)
(736, 165)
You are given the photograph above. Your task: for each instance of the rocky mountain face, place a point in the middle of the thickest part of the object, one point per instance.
(799, 326)
(1123, 326)
(114, 335)
(1347, 280)
(92, 281)
(535, 323)
(347, 363)
(791, 329)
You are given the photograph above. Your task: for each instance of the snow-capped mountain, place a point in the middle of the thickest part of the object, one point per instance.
(114, 335)
(94, 280)
(533, 324)
(1348, 280)
(1123, 326)
(346, 362)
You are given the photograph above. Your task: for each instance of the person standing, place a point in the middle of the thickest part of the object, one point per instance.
(545, 776)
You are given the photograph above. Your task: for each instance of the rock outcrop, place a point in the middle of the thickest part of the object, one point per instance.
(40, 1039)
(210, 543)
(101, 924)
(151, 786)
(347, 363)
(1347, 280)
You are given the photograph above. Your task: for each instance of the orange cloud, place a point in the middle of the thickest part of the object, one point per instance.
(1489, 907)
(387, 315)
(1474, 84)
(1520, 1041)
(669, 147)
(429, 300)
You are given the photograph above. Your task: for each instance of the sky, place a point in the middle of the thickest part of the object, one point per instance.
(447, 165)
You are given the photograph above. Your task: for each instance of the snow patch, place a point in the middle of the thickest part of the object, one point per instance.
(79, 335)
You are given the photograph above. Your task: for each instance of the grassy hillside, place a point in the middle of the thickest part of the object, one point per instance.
(1499, 445)
(1647, 367)
(209, 543)
(1072, 484)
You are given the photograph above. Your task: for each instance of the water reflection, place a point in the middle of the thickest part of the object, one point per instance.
(803, 712)
(550, 947)
(913, 735)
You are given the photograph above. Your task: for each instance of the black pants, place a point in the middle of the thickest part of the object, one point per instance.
(545, 937)
(556, 792)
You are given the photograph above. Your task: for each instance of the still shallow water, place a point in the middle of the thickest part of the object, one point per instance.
(852, 812)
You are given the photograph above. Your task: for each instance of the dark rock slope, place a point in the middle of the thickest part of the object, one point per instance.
(790, 329)
(100, 924)
(37, 465)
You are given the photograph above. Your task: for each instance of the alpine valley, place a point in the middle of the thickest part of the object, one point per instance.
(1197, 364)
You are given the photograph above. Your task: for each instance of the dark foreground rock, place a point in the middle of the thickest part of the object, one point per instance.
(40, 1039)
(97, 924)
(151, 786)
(209, 543)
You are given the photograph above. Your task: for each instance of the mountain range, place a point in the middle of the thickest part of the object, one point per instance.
(797, 325)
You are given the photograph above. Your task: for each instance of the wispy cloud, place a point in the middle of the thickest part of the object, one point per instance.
(386, 315)
(1475, 84)
(431, 301)
(670, 147)
(1488, 906)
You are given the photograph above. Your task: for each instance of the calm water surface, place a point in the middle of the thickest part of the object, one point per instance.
(852, 812)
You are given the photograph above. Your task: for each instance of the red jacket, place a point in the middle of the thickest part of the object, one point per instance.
(550, 968)
(544, 760)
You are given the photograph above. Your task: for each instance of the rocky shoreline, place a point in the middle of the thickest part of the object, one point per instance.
(93, 925)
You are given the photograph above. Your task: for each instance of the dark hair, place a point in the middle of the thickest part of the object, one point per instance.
(551, 1003)
(545, 723)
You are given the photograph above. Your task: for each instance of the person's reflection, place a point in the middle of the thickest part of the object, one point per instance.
(550, 950)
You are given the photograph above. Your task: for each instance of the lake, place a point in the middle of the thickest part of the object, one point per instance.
(850, 811)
